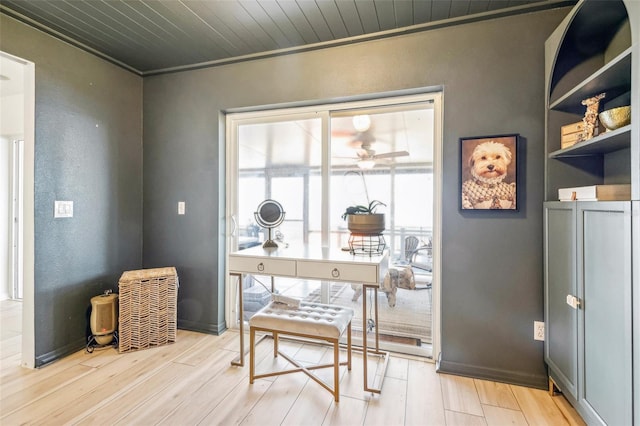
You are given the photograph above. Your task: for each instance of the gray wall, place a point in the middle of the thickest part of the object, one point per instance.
(492, 73)
(493, 78)
(88, 149)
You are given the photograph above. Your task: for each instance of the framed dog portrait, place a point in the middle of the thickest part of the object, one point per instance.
(488, 173)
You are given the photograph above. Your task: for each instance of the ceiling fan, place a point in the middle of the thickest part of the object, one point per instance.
(366, 157)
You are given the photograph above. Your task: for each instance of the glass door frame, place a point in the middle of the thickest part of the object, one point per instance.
(234, 119)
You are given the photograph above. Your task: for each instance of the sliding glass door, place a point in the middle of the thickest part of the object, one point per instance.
(279, 158)
(316, 162)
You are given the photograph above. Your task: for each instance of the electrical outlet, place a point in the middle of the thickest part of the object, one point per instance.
(538, 330)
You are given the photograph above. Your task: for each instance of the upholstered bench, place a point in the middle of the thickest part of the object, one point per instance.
(309, 320)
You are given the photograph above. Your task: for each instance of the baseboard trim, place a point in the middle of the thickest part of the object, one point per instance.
(215, 329)
(493, 374)
(49, 357)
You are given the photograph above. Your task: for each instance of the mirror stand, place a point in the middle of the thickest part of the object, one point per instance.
(269, 243)
(269, 215)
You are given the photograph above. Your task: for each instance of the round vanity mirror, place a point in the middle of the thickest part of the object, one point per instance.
(269, 215)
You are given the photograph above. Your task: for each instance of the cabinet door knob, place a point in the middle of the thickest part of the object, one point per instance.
(260, 266)
(573, 301)
(335, 273)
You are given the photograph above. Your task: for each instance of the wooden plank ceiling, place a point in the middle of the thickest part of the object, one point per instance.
(150, 36)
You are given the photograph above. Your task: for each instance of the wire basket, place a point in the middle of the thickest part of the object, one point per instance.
(366, 244)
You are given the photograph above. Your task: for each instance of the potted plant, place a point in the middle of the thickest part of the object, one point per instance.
(364, 220)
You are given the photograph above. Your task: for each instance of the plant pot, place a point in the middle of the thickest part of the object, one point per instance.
(366, 224)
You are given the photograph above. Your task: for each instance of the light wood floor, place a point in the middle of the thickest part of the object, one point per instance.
(191, 382)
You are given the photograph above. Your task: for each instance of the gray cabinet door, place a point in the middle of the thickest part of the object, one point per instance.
(561, 320)
(604, 271)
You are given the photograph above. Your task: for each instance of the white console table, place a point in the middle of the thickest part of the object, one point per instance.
(315, 264)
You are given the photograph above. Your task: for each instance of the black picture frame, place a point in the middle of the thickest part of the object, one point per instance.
(489, 173)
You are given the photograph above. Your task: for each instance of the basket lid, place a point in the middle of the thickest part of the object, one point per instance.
(142, 274)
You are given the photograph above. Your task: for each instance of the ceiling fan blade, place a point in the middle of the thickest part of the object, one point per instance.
(343, 133)
(391, 154)
(342, 157)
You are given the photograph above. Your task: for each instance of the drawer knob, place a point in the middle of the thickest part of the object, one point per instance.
(335, 273)
(260, 266)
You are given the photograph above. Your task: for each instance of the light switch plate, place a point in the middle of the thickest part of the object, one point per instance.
(181, 207)
(63, 209)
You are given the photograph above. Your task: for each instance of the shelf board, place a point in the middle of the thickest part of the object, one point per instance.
(601, 144)
(613, 79)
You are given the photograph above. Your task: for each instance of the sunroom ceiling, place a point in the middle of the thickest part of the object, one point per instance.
(297, 142)
(152, 36)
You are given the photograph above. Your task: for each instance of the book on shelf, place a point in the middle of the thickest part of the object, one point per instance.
(571, 134)
(596, 193)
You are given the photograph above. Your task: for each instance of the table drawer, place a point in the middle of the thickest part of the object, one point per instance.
(338, 272)
(250, 265)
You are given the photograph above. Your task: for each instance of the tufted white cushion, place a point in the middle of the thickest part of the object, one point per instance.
(315, 319)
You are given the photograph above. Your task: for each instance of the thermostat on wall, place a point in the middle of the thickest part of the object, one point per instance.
(63, 209)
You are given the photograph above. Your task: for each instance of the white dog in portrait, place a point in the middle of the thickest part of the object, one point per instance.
(486, 189)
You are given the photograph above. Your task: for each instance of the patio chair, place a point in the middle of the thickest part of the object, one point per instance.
(414, 273)
(419, 255)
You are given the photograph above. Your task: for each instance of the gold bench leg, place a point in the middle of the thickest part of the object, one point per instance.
(335, 391)
(349, 346)
(275, 344)
(336, 370)
(252, 354)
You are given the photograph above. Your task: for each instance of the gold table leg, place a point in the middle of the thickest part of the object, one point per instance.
(377, 350)
(239, 361)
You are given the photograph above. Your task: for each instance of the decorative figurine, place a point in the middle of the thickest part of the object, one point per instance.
(590, 119)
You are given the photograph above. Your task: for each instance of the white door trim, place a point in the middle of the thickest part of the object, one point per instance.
(27, 207)
(233, 119)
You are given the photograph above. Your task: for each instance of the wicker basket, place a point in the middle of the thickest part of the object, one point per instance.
(148, 308)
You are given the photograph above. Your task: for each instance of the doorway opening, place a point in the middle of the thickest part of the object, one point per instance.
(17, 133)
(316, 161)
